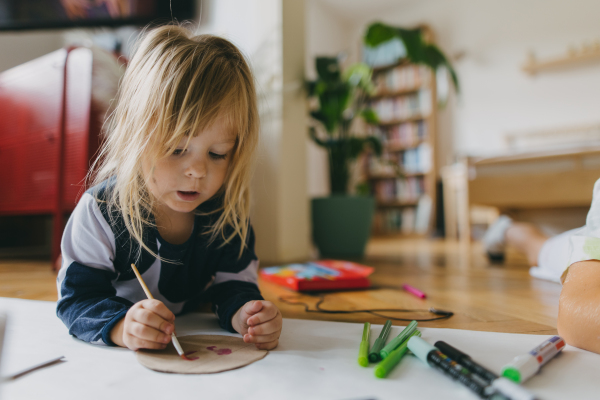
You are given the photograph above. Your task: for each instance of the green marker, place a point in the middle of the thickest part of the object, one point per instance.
(393, 358)
(398, 340)
(363, 352)
(380, 342)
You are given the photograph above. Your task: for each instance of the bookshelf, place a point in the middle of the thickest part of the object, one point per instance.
(404, 180)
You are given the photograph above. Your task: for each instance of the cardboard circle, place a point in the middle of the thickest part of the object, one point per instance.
(215, 353)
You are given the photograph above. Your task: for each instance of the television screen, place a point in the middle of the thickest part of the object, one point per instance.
(48, 14)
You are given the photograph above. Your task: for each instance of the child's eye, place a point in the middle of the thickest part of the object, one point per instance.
(217, 156)
(178, 152)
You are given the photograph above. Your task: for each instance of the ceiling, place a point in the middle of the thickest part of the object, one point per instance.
(351, 10)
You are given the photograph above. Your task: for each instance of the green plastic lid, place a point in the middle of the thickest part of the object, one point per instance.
(380, 373)
(363, 361)
(512, 373)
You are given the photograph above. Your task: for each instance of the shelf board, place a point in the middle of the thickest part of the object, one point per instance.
(402, 61)
(394, 176)
(573, 57)
(402, 120)
(401, 92)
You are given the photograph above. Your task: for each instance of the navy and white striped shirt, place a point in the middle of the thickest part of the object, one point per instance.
(97, 286)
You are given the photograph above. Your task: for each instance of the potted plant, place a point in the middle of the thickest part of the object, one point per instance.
(418, 50)
(341, 222)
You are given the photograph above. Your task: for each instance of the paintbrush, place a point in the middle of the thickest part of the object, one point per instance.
(33, 368)
(147, 291)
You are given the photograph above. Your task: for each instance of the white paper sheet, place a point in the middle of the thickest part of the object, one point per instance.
(315, 360)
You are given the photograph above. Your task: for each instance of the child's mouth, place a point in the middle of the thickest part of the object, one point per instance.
(187, 196)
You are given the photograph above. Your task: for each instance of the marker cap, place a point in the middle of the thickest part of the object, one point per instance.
(420, 348)
(512, 373)
(363, 354)
(521, 368)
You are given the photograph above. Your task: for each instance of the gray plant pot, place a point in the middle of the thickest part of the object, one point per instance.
(342, 225)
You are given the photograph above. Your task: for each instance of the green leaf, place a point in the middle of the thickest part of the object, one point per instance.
(357, 145)
(378, 33)
(358, 75)
(328, 69)
(311, 87)
(313, 135)
(435, 59)
(327, 122)
(370, 116)
(417, 50)
(376, 145)
(453, 76)
(363, 189)
(413, 42)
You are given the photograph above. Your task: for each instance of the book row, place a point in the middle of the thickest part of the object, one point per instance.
(405, 135)
(392, 109)
(395, 220)
(406, 220)
(411, 161)
(402, 77)
(404, 190)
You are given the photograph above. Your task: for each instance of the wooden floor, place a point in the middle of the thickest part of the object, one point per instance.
(455, 277)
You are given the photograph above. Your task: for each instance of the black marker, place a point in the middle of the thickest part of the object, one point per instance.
(502, 385)
(438, 360)
(466, 361)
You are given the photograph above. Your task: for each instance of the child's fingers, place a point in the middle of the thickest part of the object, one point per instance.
(267, 346)
(267, 314)
(253, 307)
(248, 338)
(266, 328)
(135, 343)
(158, 307)
(147, 333)
(149, 318)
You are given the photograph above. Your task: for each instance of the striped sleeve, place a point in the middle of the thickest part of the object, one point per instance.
(236, 280)
(88, 304)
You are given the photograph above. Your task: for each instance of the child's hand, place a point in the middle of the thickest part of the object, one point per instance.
(260, 322)
(147, 325)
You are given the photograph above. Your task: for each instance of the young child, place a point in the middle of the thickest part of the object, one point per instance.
(171, 195)
(572, 258)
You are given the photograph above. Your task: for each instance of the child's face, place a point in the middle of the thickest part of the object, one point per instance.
(184, 180)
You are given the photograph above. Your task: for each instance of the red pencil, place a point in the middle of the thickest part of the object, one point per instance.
(414, 291)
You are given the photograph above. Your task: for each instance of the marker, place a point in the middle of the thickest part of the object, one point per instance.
(398, 340)
(466, 361)
(380, 342)
(436, 359)
(414, 290)
(393, 359)
(525, 366)
(501, 384)
(363, 351)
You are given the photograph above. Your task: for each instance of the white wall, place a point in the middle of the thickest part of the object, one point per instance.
(271, 34)
(19, 47)
(497, 97)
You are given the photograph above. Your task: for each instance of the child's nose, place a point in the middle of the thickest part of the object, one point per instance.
(196, 169)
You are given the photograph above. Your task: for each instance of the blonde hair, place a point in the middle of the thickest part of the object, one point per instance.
(175, 85)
